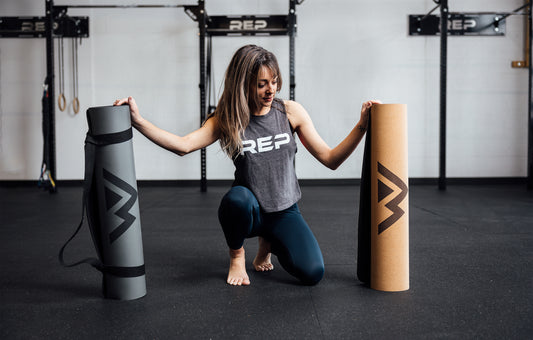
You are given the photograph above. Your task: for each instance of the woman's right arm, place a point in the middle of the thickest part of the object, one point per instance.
(204, 136)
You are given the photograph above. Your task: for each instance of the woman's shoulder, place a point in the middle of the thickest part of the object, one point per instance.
(292, 108)
(295, 113)
(284, 104)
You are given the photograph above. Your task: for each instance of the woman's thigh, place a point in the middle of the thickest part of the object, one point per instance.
(239, 215)
(294, 244)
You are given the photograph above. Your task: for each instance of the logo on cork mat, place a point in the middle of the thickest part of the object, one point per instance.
(385, 191)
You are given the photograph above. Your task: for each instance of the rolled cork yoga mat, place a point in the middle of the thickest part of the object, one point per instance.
(383, 243)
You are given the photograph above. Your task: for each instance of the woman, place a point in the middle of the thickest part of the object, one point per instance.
(256, 130)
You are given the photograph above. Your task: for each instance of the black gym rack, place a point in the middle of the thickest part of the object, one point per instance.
(464, 24)
(58, 24)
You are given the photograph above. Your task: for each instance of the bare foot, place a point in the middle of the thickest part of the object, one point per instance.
(262, 259)
(237, 275)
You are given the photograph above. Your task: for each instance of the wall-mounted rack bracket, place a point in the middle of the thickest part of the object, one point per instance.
(467, 24)
(35, 27)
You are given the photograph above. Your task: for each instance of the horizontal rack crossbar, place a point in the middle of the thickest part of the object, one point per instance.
(123, 6)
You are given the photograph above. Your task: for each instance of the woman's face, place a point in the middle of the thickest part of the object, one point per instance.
(267, 86)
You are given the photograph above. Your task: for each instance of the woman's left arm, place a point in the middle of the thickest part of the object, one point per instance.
(304, 127)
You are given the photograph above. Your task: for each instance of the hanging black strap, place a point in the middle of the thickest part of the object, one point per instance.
(87, 184)
(46, 122)
(92, 142)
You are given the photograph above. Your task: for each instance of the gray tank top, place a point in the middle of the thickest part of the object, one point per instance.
(266, 164)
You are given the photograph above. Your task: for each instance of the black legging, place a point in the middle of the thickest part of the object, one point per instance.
(291, 239)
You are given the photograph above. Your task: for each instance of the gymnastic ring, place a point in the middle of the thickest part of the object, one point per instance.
(61, 102)
(76, 105)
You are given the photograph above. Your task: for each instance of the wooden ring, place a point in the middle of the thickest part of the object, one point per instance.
(76, 105)
(62, 102)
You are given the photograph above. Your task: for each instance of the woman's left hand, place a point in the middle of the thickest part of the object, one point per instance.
(365, 113)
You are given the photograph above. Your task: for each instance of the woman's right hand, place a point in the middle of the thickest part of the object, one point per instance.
(136, 118)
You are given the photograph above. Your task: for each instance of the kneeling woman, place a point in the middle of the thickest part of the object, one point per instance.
(256, 130)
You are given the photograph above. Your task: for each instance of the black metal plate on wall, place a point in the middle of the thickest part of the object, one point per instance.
(248, 25)
(35, 27)
(459, 24)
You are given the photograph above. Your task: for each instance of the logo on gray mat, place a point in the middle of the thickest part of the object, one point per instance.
(393, 205)
(112, 198)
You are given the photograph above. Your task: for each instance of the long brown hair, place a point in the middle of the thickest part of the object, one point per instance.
(239, 100)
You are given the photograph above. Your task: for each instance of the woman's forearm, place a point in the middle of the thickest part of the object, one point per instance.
(162, 138)
(342, 151)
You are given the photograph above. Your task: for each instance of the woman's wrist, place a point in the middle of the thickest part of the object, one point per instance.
(137, 123)
(361, 126)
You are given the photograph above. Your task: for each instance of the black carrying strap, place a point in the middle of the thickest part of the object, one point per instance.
(365, 206)
(46, 122)
(109, 138)
(91, 144)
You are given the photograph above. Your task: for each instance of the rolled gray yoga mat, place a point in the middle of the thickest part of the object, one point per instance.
(111, 203)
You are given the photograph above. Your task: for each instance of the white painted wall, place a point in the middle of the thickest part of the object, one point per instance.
(347, 51)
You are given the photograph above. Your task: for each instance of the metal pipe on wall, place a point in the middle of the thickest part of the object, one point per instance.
(51, 142)
(443, 74)
(530, 104)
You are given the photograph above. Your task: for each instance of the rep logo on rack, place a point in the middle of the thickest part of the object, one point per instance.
(247, 25)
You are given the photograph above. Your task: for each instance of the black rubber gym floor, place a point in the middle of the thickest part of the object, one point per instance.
(471, 251)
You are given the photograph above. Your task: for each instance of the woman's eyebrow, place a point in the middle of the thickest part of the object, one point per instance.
(274, 79)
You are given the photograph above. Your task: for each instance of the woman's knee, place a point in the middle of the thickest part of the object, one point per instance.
(313, 274)
(307, 267)
(238, 198)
